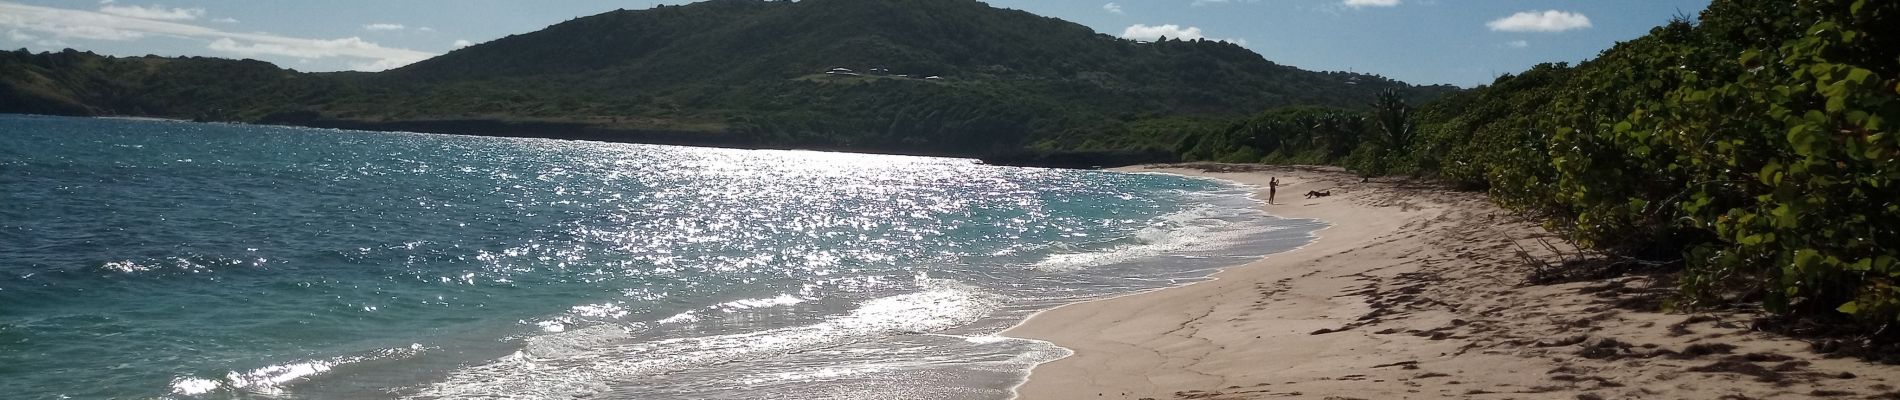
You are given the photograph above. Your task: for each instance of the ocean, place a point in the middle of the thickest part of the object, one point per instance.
(156, 259)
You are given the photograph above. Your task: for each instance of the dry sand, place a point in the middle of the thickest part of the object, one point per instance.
(1417, 292)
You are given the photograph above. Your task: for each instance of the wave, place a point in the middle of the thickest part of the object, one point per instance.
(584, 362)
(188, 264)
(1224, 219)
(691, 316)
(270, 380)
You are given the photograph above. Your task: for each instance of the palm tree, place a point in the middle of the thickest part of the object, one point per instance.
(1396, 130)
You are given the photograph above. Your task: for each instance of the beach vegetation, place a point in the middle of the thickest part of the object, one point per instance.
(1752, 147)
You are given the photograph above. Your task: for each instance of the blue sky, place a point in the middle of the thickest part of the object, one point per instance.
(1460, 42)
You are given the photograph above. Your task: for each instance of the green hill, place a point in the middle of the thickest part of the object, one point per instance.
(950, 77)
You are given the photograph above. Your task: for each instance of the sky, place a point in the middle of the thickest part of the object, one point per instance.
(1458, 42)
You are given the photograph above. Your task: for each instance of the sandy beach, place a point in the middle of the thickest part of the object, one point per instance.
(1417, 291)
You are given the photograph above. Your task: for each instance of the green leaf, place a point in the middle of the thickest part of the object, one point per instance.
(1865, 264)
(1850, 308)
(1786, 217)
(1859, 76)
(1806, 258)
(1750, 57)
(1822, 27)
(1801, 137)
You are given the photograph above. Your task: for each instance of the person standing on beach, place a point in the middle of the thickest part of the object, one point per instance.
(1273, 187)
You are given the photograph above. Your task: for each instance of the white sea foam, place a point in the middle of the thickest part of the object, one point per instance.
(270, 380)
(817, 374)
(692, 316)
(578, 341)
(747, 304)
(192, 386)
(584, 362)
(681, 318)
(1199, 228)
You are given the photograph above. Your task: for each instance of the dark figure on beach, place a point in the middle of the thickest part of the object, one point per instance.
(1315, 193)
(1273, 187)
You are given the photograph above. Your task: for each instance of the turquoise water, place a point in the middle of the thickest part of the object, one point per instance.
(143, 259)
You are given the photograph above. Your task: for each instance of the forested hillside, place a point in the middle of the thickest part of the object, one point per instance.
(954, 77)
(79, 83)
(1752, 147)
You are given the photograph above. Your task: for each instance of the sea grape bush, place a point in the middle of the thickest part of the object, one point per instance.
(1755, 145)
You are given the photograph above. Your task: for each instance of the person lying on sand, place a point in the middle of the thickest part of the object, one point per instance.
(1318, 193)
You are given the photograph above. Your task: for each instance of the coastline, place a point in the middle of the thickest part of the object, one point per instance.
(595, 132)
(1413, 291)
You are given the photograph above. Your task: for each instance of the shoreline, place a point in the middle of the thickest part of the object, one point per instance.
(1029, 327)
(1413, 291)
(1261, 204)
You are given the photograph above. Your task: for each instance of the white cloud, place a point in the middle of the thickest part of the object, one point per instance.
(154, 12)
(14, 35)
(17, 36)
(1517, 44)
(463, 43)
(80, 24)
(74, 31)
(1545, 21)
(226, 20)
(425, 29)
(383, 27)
(1371, 3)
(380, 65)
(1149, 33)
(301, 48)
(1144, 32)
(1112, 8)
(380, 58)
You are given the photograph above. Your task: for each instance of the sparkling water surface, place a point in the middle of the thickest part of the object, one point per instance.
(155, 259)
